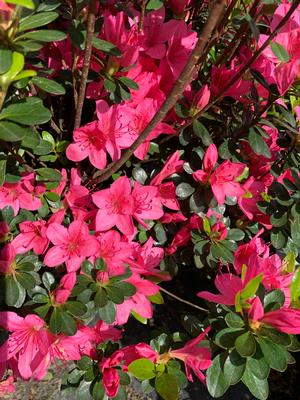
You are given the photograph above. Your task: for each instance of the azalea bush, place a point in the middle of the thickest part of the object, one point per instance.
(149, 176)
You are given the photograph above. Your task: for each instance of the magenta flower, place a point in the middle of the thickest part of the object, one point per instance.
(139, 302)
(172, 165)
(228, 285)
(147, 205)
(116, 207)
(111, 378)
(33, 234)
(28, 340)
(96, 138)
(284, 319)
(71, 245)
(7, 257)
(195, 357)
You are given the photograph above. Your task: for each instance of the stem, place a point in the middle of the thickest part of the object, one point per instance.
(176, 91)
(182, 300)
(2, 98)
(245, 67)
(86, 60)
(142, 16)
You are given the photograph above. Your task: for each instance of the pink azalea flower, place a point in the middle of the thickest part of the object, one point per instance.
(126, 40)
(139, 302)
(220, 78)
(111, 378)
(7, 386)
(195, 357)
(116, 207)
(172, 217)
(136, 119)
(65, 287)
(172, 165)
(114, 251)
(96, 138)
(256, 247)
(178, 6)
(28, 339)
(4, 231)
(201, 98)
(23, 194)
(140, 350)
(223, 181)
(248, 201)
(228, 285)
(147, 259)
(284, 319)
(33, 234)
(147, 205)
(7, 257)
(72, 245)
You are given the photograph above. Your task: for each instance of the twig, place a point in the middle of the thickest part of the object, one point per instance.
(244, 68)
(176, 91)
(142, 16)
(182, 300)
(86, 60)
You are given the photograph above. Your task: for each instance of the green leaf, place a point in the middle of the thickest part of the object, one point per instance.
(274, 354)
(129, 82)
(234, 321)
(258, 145)
(295, 229)
(106, 47)
(26, 280)
(259, 388)
(278, 238)
(234, 367)
(154, 5)
(98, 390)
(217, 383)
(166, 386)
(36, 20)
(44, 35)
(273, 300)
(156, 298)
(280, 52)
(49, 174)
(14, 293)
(258, 366)
(138, 317)
(251, 288)
(16, 67)
(126, 288)
(2, 171)
(226, 337)
(68, 326)
(142, 369)
(108, 312)
(115, 294)
(245, 345)
(48, 280)
(184, 190)
(55, 322)
(6, 60)
(200, 130)
(235, 234)
(85, 363)
(11, 132)
(23, 3)
(76, 308)
(295, 286)
(28, 113)
(48, 85)
(100, 298)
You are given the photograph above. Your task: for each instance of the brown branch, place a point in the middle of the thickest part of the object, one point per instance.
(142, 16)
(178, 88)
(244, 68)
(86, 60)
(182, 300)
